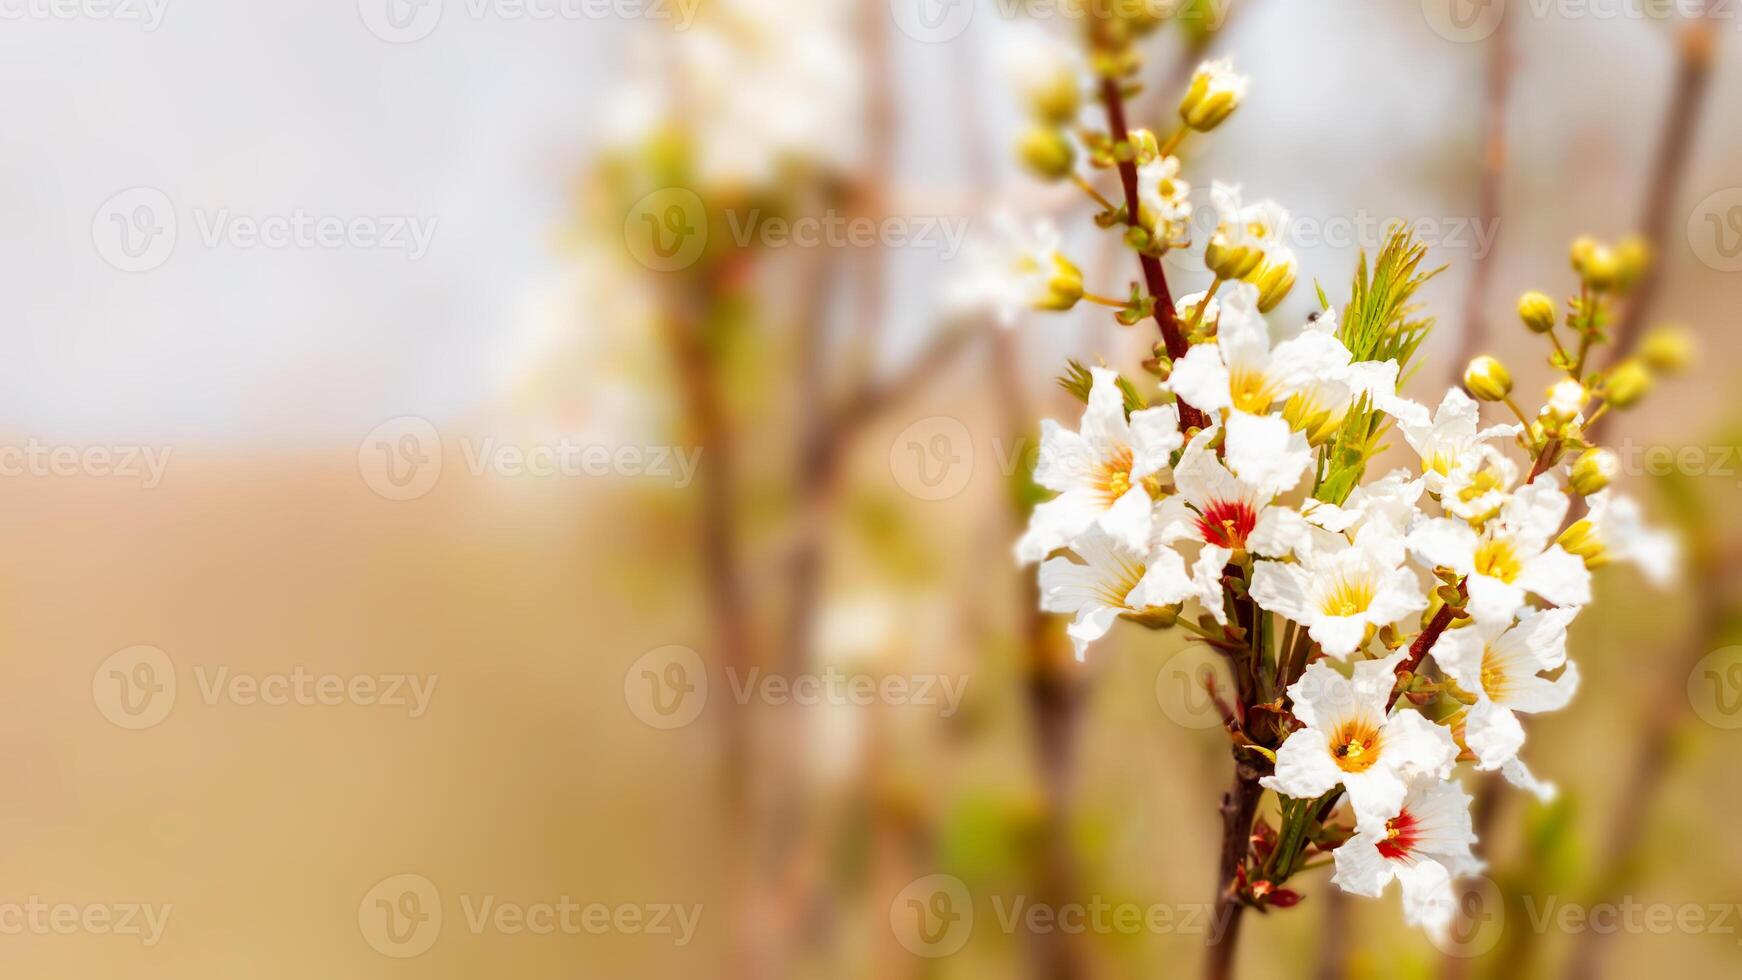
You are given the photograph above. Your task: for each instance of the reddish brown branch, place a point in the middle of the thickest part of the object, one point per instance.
(1154, 279)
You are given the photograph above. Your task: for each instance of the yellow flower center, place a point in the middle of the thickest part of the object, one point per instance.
(1493, 675)
(1253, 393)
(1115, 479)
(1348, 597)
(1307, 412)
(1496, 558)
(1355, 745)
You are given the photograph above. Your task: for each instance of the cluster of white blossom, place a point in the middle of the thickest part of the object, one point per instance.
(1404, 624)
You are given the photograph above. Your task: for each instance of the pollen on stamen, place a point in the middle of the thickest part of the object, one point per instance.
(1401, 833)
(1228, 523)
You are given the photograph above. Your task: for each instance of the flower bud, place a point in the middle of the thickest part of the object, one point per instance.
(1627, 384)
(1065, 289)
(1581, 539)
(1537, 311)
(1487, 379)
(1667, 350)
(1593, 471)
(1048, 153)
(1214, 94)
(1632, 258)
(1565, 401)
(1231, 262)
(1595, 264)
(1274, 277)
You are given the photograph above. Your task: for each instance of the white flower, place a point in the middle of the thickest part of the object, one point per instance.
(1218, 508)
(1566, 400)
(1239, 225)
(1114, 580)
(1478, 484)
(1503, 668)
(1163, 198)
(1017, 270)
(1349, 741)
(1389, 502)
(1339, 591)
(1100, 472)
(1446, 443)
(1510, 556)
(1615, 530)
(1425, 845)
(1242, 374)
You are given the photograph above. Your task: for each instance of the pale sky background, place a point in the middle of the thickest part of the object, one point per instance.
(266, 107)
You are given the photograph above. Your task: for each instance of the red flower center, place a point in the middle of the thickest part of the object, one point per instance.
(1227, 523)
(1400, 836)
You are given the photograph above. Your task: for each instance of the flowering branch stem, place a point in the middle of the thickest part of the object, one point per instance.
(1154, 279)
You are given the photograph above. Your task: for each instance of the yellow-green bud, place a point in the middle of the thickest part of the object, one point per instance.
(1214, 94)
(1231, 262)
(1627, 383)
(1595, 264)
(1065, 289)
(1274, 277)
(1566, 399)
(1487, 379)
(1055, 98)
(1581, 539)
(1633, 258)
(1593, 470)
(1668, 350)
(1538, 311)
(1048, 153)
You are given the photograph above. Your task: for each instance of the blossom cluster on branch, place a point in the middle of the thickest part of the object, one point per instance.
(1381, 629)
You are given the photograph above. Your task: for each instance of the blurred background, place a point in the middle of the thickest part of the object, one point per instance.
(499, 487)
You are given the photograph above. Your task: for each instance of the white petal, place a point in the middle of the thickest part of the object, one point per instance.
(1304, 767)
(1092, 623)
(1202, 478)
(1338, 636)
(1537, 694)
(1493, 734)
(1361, 869)
(1400, 595)
(1154, 437)
(1279, 532)
(1207, 573)
(1557, 576)
(1055, 522)
(1412, 745)
(1127, 521)
(1066, 459)
(1264, 452)
(1534, 515)
(1104, 424)
(1459, 653)
(1445, 543)
(1519, 775)
(1282, 589)
(1491, 600)
(1428, 898)
(1200, 379)
(1375, 794)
